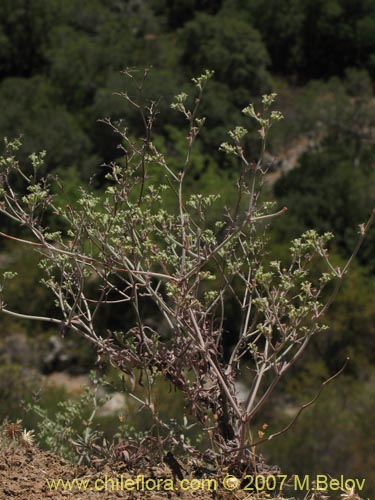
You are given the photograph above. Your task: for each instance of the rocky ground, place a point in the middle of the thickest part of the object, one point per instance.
(27, 474)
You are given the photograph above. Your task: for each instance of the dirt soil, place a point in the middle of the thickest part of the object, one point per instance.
(24, 474)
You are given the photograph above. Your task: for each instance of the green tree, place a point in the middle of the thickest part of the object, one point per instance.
(228, 45)
(25, 26)
(314, 38)
(176, 14)
(327, 192)
(31, 108)
(89, 42)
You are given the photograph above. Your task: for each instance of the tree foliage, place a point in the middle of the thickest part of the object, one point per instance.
(313, 39)
(230, 47)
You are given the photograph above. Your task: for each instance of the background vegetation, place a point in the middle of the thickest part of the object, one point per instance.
(60, 66)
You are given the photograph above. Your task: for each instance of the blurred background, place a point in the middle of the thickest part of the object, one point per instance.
(60, 65)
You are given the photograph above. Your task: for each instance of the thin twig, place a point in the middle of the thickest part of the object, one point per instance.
(303, 407)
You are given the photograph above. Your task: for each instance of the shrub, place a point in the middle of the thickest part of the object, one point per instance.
(144, 257)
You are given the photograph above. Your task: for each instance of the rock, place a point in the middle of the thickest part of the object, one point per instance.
(113, 406)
